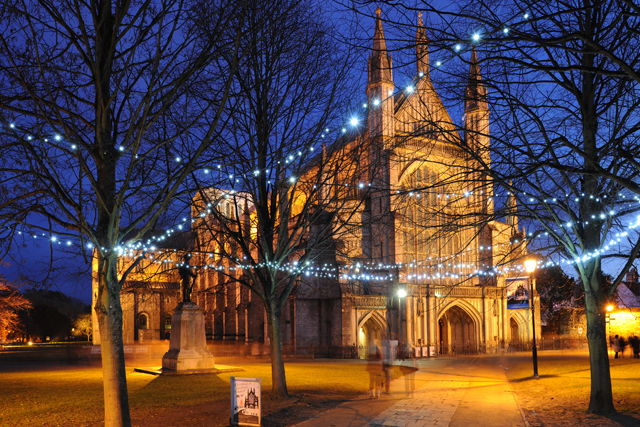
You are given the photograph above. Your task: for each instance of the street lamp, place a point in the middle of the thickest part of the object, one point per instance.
(530, 266)
(607, 318)
(402, 293)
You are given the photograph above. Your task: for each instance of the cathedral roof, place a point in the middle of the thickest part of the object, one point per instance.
(423, 87)
(182, 240)
(403, 95)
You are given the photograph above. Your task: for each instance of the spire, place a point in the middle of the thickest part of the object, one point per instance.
(422, 48)
(380, 86)
(247, 220)
(476, 96)
(380, 61)
(512, 209)
(323, 193)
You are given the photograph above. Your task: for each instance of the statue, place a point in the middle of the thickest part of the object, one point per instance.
(188, 278)
(188, 351)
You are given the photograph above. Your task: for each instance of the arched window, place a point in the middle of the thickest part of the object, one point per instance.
(143, 321)
(418, 233)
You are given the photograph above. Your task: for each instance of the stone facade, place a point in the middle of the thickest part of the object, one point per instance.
(442, 289)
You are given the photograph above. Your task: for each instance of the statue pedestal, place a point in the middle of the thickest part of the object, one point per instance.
(188, 345)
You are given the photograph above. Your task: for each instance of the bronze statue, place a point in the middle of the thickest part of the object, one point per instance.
(188, 278)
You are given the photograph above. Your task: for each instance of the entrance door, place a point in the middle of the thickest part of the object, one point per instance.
(457, 332)
(515, 332)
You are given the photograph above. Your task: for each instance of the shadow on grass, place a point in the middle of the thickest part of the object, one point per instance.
(298, 410)
(180, 390)
(622, 419)
(519, 380)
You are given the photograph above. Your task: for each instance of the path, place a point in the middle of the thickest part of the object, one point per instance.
(466, 391)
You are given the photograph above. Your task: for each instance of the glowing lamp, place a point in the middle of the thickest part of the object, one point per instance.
(530, 265)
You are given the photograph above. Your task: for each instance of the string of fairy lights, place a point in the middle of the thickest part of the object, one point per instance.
(431, 262)
(445, 266)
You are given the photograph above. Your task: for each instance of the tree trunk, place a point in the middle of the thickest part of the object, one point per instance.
(109, 312)
(601, 400)
(278, 377)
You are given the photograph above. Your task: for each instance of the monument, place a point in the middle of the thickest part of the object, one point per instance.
(188, 345)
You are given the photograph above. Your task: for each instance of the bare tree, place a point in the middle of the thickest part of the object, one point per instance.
(268, 212)
(101, 123)
(562, 87)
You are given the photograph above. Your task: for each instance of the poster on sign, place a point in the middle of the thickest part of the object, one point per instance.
(246, 401)
(517, 293)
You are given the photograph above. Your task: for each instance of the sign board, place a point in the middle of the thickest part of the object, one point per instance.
(246, 401)
(425, 351)
(518, 293)
(432, 350)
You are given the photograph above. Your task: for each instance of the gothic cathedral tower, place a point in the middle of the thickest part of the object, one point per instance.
(381, 123)
(380, 86)
(476, 113)
(476, 122)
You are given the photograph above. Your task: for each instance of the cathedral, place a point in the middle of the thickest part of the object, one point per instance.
(431, 234)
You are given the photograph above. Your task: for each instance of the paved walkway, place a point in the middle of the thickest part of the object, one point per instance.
(465, 391)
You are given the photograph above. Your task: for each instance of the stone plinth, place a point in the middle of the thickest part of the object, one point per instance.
(188, 345)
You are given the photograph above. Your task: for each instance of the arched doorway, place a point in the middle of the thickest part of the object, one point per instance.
(519, 332)
(457, 332)
(515, 334)
(372, 329)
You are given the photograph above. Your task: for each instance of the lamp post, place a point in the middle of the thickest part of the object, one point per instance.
(402, 293)
(608, 320)
(530, 267)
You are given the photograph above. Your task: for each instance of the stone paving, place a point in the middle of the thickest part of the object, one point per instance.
(454, 392)
(433, 404)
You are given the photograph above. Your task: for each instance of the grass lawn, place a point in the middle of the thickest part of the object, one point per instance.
(561, 395)
(73, 397)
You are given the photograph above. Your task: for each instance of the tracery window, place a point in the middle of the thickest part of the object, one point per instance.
(419, 216)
